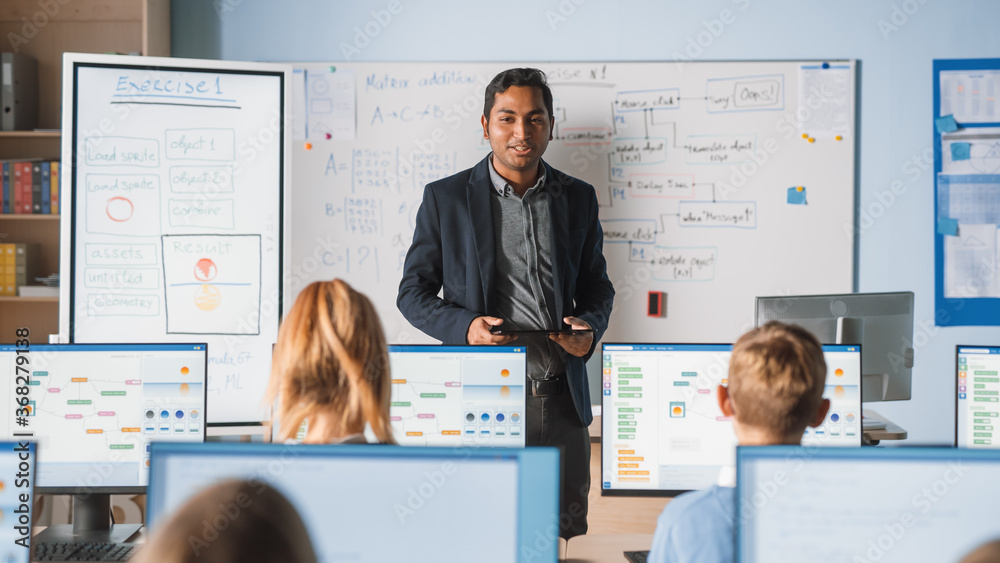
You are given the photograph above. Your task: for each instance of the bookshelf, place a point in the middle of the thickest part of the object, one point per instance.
(83, 26)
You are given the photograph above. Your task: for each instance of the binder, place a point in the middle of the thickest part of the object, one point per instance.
(6, 187)
(18, 92)
(24, 198)
(55, 187)
(36, 187)
(7, 268)
(26, 263)
(16, 190)
(46, 188)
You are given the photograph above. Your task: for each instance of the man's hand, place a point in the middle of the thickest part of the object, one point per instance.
(479, 332)
(576, 344)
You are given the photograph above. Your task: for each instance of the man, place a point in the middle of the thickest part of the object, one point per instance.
(516, 244)
(777, 374)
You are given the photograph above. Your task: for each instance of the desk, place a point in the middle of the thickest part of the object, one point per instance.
(891, 431)
(605, 548)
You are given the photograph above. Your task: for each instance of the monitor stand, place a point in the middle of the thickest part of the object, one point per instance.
(91, 524)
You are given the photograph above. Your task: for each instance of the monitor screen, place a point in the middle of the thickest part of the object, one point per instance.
(864, 504)
(881, 322)
(95, 407)
(662, 430)
(977, 407)
(16, 476)
(434, 504)
(455, 395)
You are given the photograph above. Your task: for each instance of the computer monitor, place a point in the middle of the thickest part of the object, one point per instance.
(977, 396)
(882, 322)
(386, 503)
(16, 480)
(662, 431)
(457, 395)
(94, 409)
(864, 504)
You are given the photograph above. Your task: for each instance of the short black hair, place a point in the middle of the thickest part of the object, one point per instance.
(531, 77)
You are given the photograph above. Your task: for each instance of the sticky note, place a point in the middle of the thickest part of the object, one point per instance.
(797, 195)
(946, 124)
(960, 151)
(947, 226)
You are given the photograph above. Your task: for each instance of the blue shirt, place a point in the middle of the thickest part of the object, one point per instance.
(697, 526)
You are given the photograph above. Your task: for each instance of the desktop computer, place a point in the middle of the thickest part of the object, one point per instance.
(913, 504)
(458, 395)
(386, 503)
(977, 396)
(16, 479)
(882, 322)
(94, 409)
(663, 432)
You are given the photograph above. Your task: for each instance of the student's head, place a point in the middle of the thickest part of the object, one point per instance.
(231, 522)
(517, 119)
(777, 374)
(331, 364)
(987, 553)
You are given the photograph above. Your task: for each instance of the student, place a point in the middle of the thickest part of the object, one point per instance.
(776, 379)
(331, 368)
(232, 522)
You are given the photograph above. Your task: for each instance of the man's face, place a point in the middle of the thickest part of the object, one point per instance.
(519, 130)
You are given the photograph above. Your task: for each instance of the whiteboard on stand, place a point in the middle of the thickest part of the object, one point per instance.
(175, 172)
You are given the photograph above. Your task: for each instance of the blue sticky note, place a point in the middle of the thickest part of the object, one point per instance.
(960, 151)
(797, 195)
(947, 226)
(946, 124)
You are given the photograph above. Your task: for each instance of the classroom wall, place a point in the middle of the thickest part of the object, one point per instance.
(894, 40)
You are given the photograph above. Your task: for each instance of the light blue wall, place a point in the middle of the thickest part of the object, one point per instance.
(896, 251)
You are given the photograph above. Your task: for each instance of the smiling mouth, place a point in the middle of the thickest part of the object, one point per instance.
(521, 148)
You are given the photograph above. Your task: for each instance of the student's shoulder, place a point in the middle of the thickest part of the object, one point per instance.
(696, 526)
(695, 503)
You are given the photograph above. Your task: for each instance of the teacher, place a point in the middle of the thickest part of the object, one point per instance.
(516, 244)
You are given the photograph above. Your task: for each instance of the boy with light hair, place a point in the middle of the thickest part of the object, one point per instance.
(777, 375)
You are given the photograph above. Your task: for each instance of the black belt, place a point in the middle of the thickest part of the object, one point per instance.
(553, 386)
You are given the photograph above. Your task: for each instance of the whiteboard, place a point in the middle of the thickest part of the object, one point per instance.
(692, 164)
(175, 172)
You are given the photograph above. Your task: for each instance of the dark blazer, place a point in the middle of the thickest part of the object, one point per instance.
(453, 248)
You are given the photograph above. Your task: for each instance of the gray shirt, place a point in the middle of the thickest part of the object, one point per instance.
(522, 232)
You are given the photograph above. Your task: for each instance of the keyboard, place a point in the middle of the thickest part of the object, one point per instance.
(636, 556)
(68, 551)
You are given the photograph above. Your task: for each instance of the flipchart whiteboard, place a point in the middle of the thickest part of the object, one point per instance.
(175, 173)
(710, 188)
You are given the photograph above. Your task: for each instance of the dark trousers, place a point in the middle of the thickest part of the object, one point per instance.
(553, 421)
